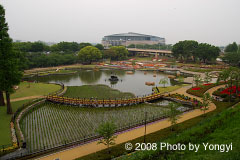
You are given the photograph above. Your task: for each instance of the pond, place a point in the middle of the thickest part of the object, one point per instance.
(134, 83)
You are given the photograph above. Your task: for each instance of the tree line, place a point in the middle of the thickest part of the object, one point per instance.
(190, 50)
(63, 47)
(39, 54)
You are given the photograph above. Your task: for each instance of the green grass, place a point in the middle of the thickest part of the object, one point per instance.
(99, 91)
(5, 133)
(160, 135)
(219, 129)
(168, 89)
(34, 89)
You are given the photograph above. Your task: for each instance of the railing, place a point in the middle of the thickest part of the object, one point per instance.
(102, 102)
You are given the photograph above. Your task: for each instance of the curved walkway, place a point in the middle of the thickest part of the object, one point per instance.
(93, 147)
(25, 98)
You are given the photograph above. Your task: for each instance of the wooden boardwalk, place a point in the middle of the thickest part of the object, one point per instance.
(102, 102)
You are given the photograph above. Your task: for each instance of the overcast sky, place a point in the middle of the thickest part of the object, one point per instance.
(211, 21)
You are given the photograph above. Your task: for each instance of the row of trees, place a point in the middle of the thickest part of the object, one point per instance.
(192, 50)
(90, 54)
(10, 73)
(38, 54)
(63, 47)
(34, 54)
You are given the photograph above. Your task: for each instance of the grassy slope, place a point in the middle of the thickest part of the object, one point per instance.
(35, 89)
(5, 134)
(226, 133)
(160, 135)
(99, 91)
(218, 129)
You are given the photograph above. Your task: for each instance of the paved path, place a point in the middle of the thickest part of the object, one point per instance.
(92, 147)
(24, 98)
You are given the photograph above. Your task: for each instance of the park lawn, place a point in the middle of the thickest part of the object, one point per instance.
(168, 89)
(5, 133)
(96, 91)
(35, 89)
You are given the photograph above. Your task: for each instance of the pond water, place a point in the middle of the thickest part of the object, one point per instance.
(134, 83)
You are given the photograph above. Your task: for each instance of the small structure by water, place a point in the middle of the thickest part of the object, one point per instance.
(113, 79)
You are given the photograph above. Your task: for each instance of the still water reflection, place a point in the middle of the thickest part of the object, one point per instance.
(134, 83)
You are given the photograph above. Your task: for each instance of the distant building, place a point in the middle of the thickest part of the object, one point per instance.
(126, 39)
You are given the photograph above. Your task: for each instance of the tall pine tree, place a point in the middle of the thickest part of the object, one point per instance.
(10, 74)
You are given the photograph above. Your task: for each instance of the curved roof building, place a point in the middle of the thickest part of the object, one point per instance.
(126, 39)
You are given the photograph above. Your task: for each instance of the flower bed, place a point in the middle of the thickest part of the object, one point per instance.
(196, 88)
(232, 90)
(200, 90)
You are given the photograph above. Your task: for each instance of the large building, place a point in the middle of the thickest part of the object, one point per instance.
(126, 39)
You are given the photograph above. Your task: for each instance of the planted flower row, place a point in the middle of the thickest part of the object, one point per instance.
(201, 89)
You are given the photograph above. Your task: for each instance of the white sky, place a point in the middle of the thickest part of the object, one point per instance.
(211, 21)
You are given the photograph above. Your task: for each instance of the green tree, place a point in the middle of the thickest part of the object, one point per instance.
(180, 79)
(197, 79)
(224, 75)
(110, 53)
(99, 46)
(174, 113)
(121, 52)
(89, 54)
(163, 81)
(231, 47)
(206, 100)
(185, 49)
(232, 58)
(106, 131)
(207, 77)
(82, 45)
(131, 46)
(9, 71)
(207, 52)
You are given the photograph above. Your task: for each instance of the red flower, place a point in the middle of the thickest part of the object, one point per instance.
(229, 90)
(207, 84)
(196, 88)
